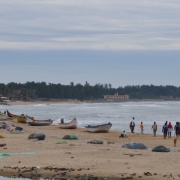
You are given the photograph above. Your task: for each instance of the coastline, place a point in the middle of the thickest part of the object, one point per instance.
(72, 101)
(78, 159)
(38, 102)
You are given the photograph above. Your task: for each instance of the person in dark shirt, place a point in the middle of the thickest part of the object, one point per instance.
(177, 129)
(165, 130)
(132, 125)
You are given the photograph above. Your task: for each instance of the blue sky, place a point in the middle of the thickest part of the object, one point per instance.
(115, 42)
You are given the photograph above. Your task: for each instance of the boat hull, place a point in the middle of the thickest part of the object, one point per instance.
(39, 123)
(99, 128)
(4, 117)
(21, 119)
(32, 122)
(70, 125)
(11, 115)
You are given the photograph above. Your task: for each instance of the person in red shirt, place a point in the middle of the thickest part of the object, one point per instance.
(170, 128)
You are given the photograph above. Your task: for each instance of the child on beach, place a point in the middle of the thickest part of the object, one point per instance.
(142, 127)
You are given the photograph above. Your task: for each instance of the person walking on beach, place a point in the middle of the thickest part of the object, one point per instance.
(132, 125)
(165, 130)
(154, 128)
(177, 129)
(142, 127)
(176, 133)
(170, 128)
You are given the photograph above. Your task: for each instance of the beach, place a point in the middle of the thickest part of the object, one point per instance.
(57, 158)
(40, 102)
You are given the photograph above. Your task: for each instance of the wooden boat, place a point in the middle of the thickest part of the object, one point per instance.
(71, 125)
(10, 114)
(31, 121)
(39, 123)
(22, 119)
(99, 128)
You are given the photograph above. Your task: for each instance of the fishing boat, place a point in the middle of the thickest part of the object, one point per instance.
(33, 122)
(10, 114)
(3, 116)
(98, 128)
(71, 125)
(40, 123)
(22, 119)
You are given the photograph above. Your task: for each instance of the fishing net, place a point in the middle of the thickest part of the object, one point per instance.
(133, 145)
(71, 136)
(61, 142)
(17, 132)
(160, 149)
(95, 142)
(38, 136)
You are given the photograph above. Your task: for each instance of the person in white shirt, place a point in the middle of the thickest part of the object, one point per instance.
(132, 125)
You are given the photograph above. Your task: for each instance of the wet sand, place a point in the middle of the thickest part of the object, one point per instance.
(78, 159)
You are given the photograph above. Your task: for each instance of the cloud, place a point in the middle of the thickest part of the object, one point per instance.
(90, 25)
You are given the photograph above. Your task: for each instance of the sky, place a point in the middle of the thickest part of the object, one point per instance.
(113, 42)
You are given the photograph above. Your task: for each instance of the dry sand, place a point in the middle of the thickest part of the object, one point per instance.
(79, 159)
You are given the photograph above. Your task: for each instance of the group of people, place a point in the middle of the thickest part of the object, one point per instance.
(166, 129)
(132, 126)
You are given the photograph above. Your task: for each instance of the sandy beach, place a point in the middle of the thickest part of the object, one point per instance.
(78, 159)
(40, 102)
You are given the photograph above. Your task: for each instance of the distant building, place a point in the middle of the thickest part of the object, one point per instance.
(4, 99)
(167, 97)
(116, 96)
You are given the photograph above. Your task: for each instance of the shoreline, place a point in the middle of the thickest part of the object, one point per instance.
(78, 102)
(78, 159)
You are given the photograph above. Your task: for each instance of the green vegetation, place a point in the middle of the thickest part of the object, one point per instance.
(42, 90)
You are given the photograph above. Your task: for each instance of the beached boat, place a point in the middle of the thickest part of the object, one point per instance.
(70, 125)
(33, 122)
(99, 128)
(10, 114)
(22, 119)
(3, 116)
(39, 123)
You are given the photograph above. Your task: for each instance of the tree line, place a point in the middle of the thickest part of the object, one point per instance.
(43, 90)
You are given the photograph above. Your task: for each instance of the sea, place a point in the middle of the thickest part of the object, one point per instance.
(120, 114)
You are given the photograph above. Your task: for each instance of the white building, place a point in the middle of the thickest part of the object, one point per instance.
(116, 96)
(4, 99)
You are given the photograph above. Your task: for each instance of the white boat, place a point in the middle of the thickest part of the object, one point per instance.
(99, 128)
(4, 117)
(70, 125)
